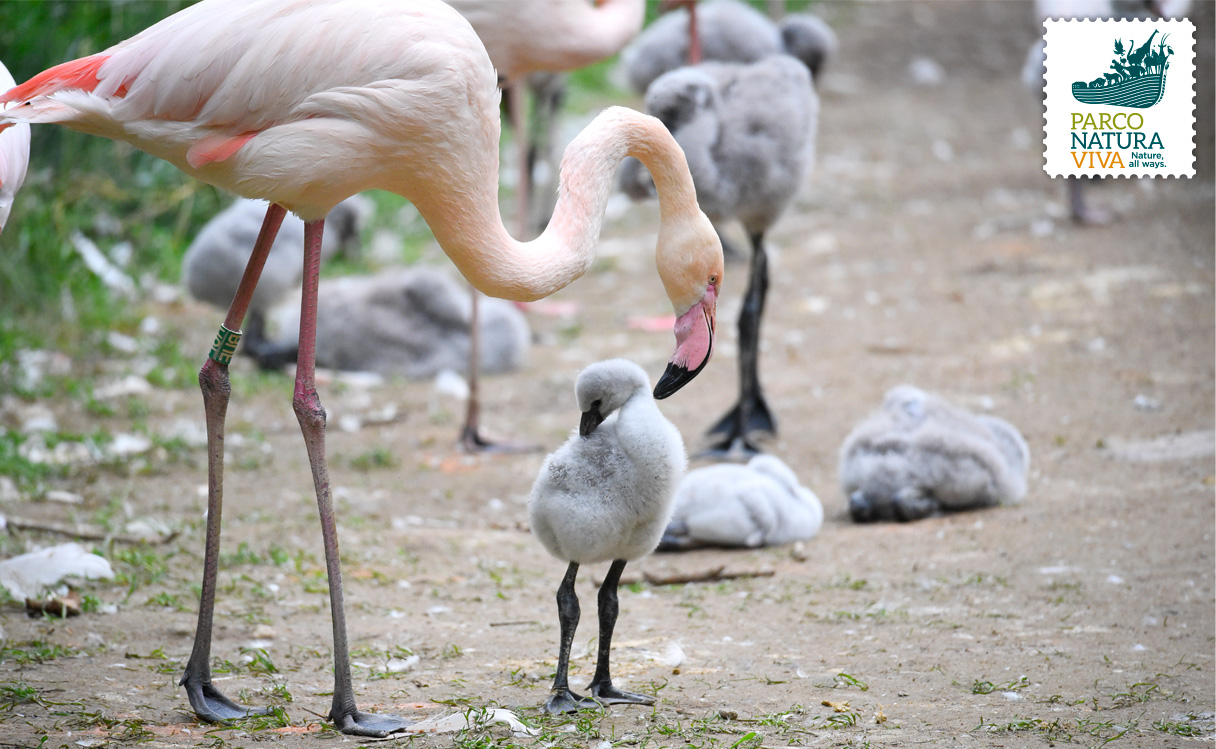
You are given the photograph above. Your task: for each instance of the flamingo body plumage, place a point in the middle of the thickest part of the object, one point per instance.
(14, 156)
(303, 103)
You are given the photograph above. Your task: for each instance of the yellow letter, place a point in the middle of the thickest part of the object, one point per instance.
(1076, 118)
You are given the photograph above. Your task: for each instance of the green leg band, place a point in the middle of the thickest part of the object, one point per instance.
(224, 346)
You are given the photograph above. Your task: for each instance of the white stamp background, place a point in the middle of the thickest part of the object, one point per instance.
(1082, 51)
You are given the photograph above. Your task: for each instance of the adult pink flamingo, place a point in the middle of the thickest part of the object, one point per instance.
(522, 38)
(14, 156)
(303, 104)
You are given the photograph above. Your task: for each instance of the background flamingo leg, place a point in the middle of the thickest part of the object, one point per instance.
(209, 703)
(751, 413)
(311, 415)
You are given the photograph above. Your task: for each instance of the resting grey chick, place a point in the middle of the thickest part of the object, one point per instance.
(728, 31)
(748, 132)
(921, 456)
(216, 259)
(412, 322)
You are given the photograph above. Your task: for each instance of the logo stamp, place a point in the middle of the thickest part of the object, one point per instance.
(1120, 98)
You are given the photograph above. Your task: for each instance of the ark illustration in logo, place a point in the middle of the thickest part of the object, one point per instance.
(1137, 80)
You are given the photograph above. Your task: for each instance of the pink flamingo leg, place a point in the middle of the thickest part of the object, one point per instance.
(208, 702)
(311, 415)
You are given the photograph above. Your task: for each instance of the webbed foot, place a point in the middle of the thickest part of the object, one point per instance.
(564, 701)
(610, 695)
(356, 723)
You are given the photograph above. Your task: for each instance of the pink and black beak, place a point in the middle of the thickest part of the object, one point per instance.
(694, 345)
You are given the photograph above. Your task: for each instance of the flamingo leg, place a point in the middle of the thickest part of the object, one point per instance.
(1081, 210)
(751, 412)
(561, 699)
(601, 684)
(209, 703)
(311, 415)
(470, 434)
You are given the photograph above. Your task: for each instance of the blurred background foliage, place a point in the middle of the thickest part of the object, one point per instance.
(109, 191)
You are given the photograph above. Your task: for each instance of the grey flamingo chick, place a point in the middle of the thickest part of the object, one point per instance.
(727, 31)
(731, 505)
(748, 132)
(412, 322)
(605, 495)
(211, 268)
(921, 456)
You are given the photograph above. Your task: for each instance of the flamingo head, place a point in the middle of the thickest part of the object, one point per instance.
(689, 259)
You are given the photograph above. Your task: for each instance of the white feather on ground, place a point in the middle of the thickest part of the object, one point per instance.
(920, 455)
(607, 496)
(28, 575)
(731, 505)
(411, 322)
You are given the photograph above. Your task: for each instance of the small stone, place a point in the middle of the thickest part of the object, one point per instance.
(264, 632)
(63, 497)
(8, 490)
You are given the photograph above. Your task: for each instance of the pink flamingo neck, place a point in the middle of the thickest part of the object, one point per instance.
(471, 230)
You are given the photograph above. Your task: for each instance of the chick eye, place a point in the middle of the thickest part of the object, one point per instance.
(713, 280)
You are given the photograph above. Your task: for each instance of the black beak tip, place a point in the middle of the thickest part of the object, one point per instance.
(588, 423)
(674, 378)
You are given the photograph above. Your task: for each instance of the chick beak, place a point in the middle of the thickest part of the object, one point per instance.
(591, 419)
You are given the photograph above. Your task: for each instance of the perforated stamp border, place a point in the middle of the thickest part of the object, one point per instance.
(1098, 120)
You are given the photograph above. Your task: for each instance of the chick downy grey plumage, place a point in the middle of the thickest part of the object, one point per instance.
(215, 260)
(728, 31)
(412, 322)
(605, 495)
(748, 132)
(731, 505)
(920, 456)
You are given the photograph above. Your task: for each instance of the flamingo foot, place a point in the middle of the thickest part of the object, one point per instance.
(759, 419)
(213, 706)
(736, 448)
(472, 442)
(356, 723)
(609, 695)
(564, 701)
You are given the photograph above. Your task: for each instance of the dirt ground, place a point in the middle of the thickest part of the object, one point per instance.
(928, 248)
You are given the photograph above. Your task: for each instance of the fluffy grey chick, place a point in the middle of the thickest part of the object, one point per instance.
(920, 456)
(215, 260)
(728, 31)
(758, 504)
(810, 39)
(748, 132)
(605, 495)
(412, 322)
